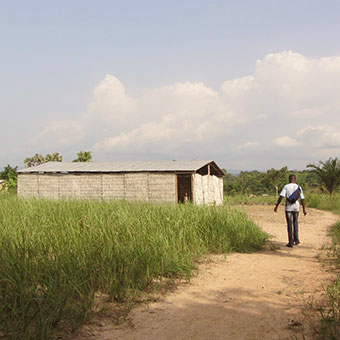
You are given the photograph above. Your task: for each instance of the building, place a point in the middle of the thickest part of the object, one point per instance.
(156, 181)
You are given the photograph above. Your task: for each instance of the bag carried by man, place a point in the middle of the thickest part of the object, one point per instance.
(294, 196)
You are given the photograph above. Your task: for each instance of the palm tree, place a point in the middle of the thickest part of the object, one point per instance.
(329, 173)
(38, 159)
(83, 156)
(54, 157)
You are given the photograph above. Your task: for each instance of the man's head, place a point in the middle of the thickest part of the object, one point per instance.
(292, 178)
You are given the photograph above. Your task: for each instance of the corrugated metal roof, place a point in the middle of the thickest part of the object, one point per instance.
(126, 166)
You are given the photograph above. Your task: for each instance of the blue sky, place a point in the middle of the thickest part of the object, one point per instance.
(55, 54)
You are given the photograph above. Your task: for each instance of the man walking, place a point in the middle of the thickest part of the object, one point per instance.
(292, 192)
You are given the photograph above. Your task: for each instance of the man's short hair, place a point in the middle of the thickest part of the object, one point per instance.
(291, 176)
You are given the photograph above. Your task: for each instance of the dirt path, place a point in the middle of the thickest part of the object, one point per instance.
(245, 296)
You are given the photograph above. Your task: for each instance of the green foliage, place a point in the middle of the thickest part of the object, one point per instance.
(276, 178)
(270, 182)
(38, 159)
(54, 255)
(308, 180)
(325, 202)
(9, 172)
(240, 199)
(329, 173)
(10, 175)
(83, 156)
(256, 182)
(247, 182)
(330, 316)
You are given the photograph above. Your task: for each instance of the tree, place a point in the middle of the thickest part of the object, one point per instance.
(38, 159)
(55, 157)
(10, 175)
(83, 156)
(329, 173)
(9, 172)
(276, 178)
(246, 182)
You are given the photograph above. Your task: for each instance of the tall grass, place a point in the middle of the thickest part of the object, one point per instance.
(330, 314)
(324, 202)
(54, 255)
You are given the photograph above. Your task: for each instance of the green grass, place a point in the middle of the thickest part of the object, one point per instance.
(313, 200)
(324, 202)
(329, 321)
(55, 255)
(330, 314)
(238, 199)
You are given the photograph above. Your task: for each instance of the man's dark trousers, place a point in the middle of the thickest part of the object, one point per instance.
(292, 221)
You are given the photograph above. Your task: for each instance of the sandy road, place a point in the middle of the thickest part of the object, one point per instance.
(245, 296)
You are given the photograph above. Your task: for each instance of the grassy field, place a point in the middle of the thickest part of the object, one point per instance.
(55, 255)
(318, 201)
(324, 202)
(240, 199)
(330, 315)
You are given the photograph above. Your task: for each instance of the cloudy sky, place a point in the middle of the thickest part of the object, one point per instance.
(249, 84)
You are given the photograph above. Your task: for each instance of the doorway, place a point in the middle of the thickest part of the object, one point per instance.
(184, 188)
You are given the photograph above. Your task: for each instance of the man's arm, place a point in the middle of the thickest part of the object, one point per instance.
(303, 206)
(278, 202)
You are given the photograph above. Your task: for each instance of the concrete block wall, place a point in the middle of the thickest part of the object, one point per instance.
(155, 187)
(162, 187)
(28, 185)
(136, 186)
(48, 186)
(90, 187)
(113, 186)
(67, 187)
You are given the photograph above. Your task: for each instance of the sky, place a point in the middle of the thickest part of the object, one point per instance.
(249, 84)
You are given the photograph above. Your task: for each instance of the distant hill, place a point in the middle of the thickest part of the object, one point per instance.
(233, 171)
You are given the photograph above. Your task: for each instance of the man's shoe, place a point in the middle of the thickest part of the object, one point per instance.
(289, 245)
(296, 243)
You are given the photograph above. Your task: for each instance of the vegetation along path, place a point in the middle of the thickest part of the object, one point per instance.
(245, 296)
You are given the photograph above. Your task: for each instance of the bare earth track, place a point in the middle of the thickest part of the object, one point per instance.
(245, 296)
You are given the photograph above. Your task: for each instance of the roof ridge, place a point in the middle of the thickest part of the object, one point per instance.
(121, 166)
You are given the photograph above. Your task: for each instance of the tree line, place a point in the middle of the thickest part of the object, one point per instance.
(323, 177)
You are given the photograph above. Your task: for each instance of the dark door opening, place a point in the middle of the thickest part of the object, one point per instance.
(184, 188)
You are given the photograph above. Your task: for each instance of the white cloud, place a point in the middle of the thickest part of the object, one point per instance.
(179, 114)
(289, 100)
(322, 136)
(63, 132)
(248, 146)
(110, 101)
(285, 141)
